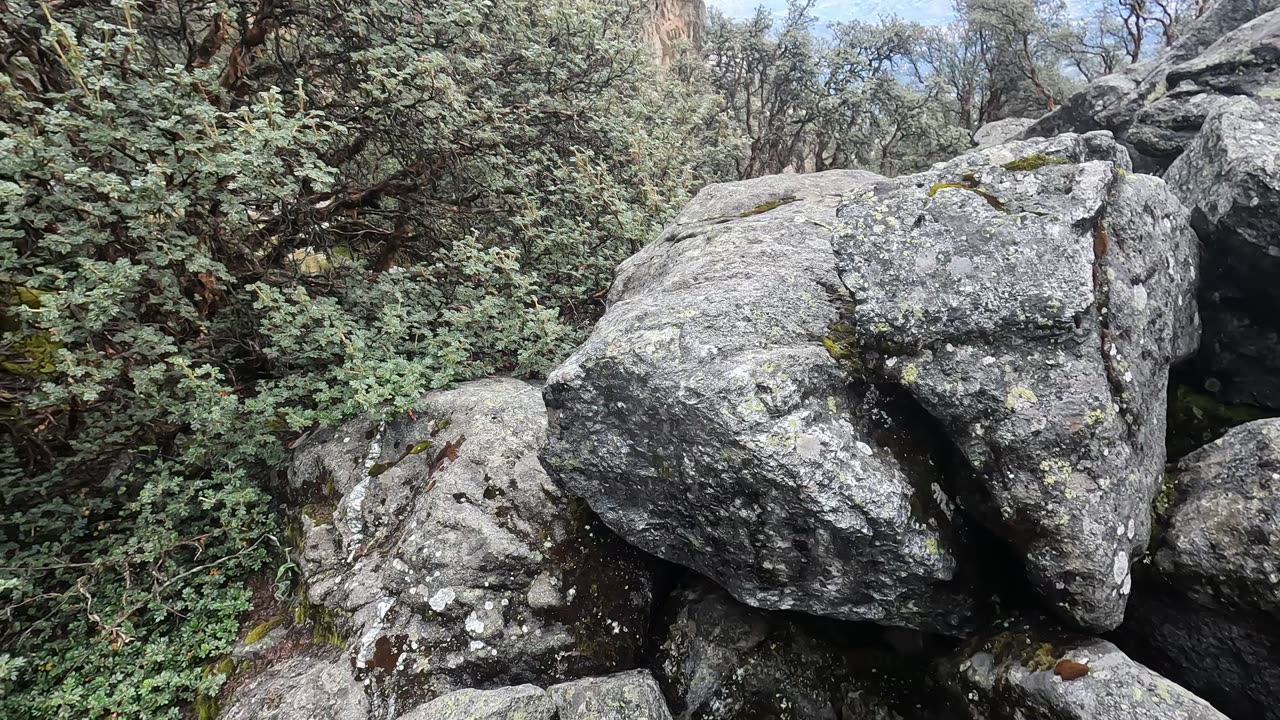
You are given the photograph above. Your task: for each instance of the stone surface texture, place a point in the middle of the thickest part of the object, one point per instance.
(705, 421)
(304, 687)
(451, 560)
(1230, 179)
(720, 660)
(1018, 674)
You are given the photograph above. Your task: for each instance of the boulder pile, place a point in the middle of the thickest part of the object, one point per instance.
(848, 447)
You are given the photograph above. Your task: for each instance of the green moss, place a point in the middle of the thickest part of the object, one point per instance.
(841, 343)
(765, 207)
(1019, 647)
(1166, 498)
(259, 631)
(1034, 162)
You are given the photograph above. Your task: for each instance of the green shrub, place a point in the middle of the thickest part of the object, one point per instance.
(218, 231)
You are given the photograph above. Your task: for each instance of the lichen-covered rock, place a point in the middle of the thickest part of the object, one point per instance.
(1222, 544)
(705, 421)
(1209, 613)
(625, 696)
(1024, 673)
(1230, 179)
(522, 702)
(451, 558)
(1157, 107)
(304, 687)
(720, 660)
(1001, 131)
(1031, 297)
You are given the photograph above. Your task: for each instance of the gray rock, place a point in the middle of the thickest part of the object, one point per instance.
(1001, 131)
(1222, 544)
(453, 559)
(1206, 612)
(705, 421)
(1226, 656)
(1027, 674)
(1032, 319)
(1230, 179)
(303, 687)
(1034, 313)
(720, 660)
(625, 696)
(524, 702)
(1158, 106)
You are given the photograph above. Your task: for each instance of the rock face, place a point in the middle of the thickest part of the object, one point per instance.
(705, 421)
(523, 702)
(452, 561)
(1001, 131)
(675, 25)
(304, 687)
(1157, 107)
(776, 394)
(1032, 306)
(625, 696)
(720, 660)
(1230, 179)
(1208, 614)
(1028, 674)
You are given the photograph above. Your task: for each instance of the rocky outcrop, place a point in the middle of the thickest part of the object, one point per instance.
(1207, 613)
(777, 391)
(304, 687)
(706, 422)
(1158, 106)
(625, 696)
(1027, 673)
(1230, 179)
(720, 660)
(674, 26)
(1001, 131)
(449, 558)
(1031, 298)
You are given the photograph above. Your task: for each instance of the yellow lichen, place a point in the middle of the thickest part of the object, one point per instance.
(1020, 397)
(910, 374)
(1055, 471)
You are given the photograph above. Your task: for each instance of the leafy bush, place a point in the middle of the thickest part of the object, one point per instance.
(218, 231)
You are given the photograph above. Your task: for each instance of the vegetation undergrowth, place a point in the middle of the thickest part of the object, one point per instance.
(224, 225)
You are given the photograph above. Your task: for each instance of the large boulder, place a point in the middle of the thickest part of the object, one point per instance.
(776, 392)
(1001, 131)
(720, 660)
(705, 421)
(521, 702)
(450, 560)
(1026, 673)
(1229, 177)
(1157, 107)
(1208, 613)
(1031, 298)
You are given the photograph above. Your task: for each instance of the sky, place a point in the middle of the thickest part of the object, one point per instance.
(931, 12)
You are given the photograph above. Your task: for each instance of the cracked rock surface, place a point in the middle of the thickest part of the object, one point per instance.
(450, 560)
(1034, 313)
(1230, 179)
(788, 399)
(707, 423)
